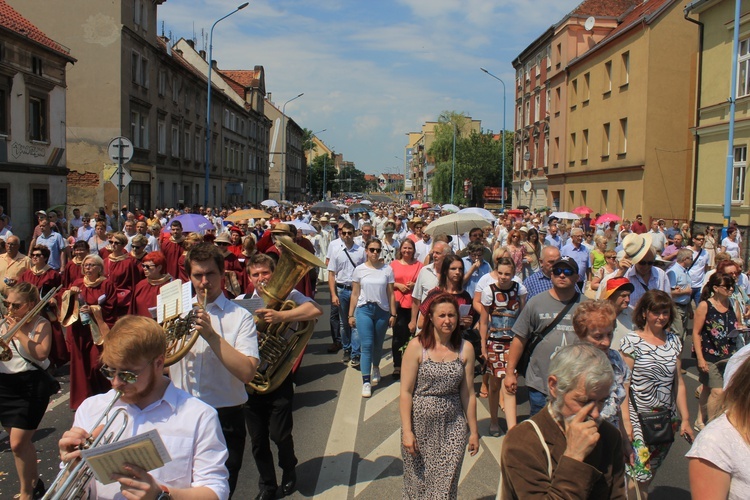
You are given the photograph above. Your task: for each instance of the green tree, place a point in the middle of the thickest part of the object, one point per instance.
(357, 178)
(316, 175)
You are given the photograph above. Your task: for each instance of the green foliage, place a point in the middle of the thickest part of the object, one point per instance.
(478, 158)
(357, 183)
(316, 175)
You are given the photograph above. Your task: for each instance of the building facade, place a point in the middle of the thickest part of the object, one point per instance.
(32, 120)
(287, 159)
(131, 82)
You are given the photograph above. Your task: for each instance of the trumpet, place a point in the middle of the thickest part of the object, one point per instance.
(181, 333)
(6, 354)
(72, 482)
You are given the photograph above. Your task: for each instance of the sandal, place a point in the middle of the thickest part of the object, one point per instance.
(483, 393)
(397, 372)
(495, 432)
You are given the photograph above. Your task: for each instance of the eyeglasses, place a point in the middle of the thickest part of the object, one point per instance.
(647, 262)
(12, 244)
(88, 266)
(126, 376)
(698, 239)
(136, 247)
(149, 266)
(563, 270)
(346, 233)
(374, 250)
(37, 255)
(13, 305)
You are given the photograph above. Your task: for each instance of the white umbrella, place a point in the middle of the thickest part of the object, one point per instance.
(303, 227)
(366, 202)
(483, 213)
(455, 224)
(270, 203)
(565, 215)
(450, 207)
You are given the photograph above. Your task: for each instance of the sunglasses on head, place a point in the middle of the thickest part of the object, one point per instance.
(563, 270)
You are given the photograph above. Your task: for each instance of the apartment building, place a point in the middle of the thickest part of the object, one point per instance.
(287, 165)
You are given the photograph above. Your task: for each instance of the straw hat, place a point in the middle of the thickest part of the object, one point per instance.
(636, 246)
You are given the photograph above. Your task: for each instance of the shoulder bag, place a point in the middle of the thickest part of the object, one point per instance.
(656, 426)
(50, 385)
(536, 338)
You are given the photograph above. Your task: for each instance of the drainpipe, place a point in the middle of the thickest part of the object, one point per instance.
(694, 203)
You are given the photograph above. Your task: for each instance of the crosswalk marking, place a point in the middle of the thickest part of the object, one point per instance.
(378, 461)
(380, 399)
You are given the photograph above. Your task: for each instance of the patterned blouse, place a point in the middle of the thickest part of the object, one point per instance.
(716, 344)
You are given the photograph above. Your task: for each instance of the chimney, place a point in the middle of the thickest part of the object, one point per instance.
(202, 54)
(269, 95)
(214, 65)
(191, 43)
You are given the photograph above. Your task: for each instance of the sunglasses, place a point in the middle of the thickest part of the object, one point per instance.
(698, 239)
(147, 266)
(222, 244)
(374, 250)
(13, 305)
(126, 376)
(558, 271)
(346, 233)
(647, 262)
(136, 247)
(37, 255)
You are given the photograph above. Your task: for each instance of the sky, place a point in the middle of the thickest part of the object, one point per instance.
(373, 70)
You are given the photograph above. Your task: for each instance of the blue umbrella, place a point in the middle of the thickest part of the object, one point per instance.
(192, 223)
(358, 209)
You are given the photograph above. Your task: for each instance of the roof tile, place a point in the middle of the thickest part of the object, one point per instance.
(604, 8)
(12, 20)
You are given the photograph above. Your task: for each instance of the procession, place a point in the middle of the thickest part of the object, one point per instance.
(587, 314)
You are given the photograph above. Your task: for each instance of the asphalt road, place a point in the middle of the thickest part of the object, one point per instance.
(349, 447)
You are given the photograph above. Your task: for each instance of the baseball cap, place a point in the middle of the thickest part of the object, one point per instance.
(566, 262)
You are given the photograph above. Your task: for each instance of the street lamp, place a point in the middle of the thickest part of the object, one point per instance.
(502, 137)
(208, 97)
(453, 169)
(283, 142)
(312, 146)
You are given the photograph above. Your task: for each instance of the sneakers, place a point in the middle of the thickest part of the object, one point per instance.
(366, 390)
(375, 376)
(347, 356)
(698, 425)
(355, 362)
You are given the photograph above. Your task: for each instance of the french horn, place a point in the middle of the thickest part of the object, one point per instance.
(181, 333)
(281, 344)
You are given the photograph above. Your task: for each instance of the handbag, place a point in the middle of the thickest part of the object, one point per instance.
(536, 339)
(656, 426)
(49, 383)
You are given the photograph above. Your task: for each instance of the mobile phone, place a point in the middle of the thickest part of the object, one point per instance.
(688, 438)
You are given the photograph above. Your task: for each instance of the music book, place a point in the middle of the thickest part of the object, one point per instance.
(146, 450)
(252, 304)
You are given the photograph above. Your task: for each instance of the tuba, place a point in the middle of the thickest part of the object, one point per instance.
(280, 345)
(73, 481)
(5, 352)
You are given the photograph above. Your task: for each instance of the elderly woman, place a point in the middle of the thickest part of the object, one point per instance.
(98, 298)
(23, 398)
(122, 271)
(138, 246)
(146, 291)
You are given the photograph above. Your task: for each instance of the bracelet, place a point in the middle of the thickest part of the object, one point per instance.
(394, 316)
(351, 316)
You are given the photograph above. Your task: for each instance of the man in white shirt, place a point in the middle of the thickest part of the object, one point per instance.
(427, 279)
(423, 247)
(343, 258)
(141, 227)
(76, 222)
(130, 232)
(268, 416)
(133, 360)
(226, 356)
(698, 267)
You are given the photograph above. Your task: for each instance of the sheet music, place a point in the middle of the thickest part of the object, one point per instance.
(251, 305)
(169, 301)
(145, 450)
(187, 297)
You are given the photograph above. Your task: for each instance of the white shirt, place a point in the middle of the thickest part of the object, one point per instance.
(190, 431)
(4, 233)
(340, 264)
(487, 280)
(373, 285)
(422, 250)
(201, 373)
(426, 280)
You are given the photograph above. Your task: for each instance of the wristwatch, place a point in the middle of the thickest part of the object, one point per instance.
(164, 495)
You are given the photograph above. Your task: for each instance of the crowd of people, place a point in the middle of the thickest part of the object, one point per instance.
(592, 318)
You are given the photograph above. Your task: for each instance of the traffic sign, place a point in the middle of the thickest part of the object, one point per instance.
(120, 149)
(126, 178)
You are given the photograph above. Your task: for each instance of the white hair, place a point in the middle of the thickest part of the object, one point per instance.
(571, 363)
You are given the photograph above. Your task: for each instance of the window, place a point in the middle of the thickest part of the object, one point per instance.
(36, 65)
(573, 94)
(139, 69)
(546, 151)
(572, 151)
(175, 141)
(37, 119)
(623, 137)
(527, 114)
(605, 141)
(625, 69)
(549, 57)
(175, 89)
(548, 102)
(162, 83)
(586, 88)
(197, 146)
(738, 174)
(535, 160)
(537, 106)
(585, 145)
(186, 152)
(161, 128)
(139, 129)
(607, 77)
(137, 12)
(559, 55)
(605, 200)
(558, 98)
(556, 152)
(743, 71)
(4, 115)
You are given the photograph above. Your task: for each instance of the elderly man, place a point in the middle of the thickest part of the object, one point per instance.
(568, 451)
(553, 239)
(476, 235)
(12, 264)
(673, 231)
(658, 238)
(579, 253)
(541, 281)
(637, 264)
(545, 324)
(427, 279)
(680, 285)
(366, 233)
(670, 252)
(141, 227)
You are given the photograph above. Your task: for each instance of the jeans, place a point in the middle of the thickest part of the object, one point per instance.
(537, 400)
(349, 335)
(372, 322)
(696, 296)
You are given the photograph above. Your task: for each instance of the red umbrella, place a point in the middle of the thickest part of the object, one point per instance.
(582, 210)
(425, 205)
(417, 204)
(607, 218)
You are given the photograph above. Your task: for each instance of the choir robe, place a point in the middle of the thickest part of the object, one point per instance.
(232, 263)
(58, 353)
(124, 275)
(85, 378)
(172, 252)
(71, 273)
(182, 273)
(144, 297)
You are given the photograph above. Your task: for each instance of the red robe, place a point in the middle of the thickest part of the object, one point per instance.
(58, 353)
(124, 274)
(85, 378)
(172, 252)
(145, 297)
(232, 263)
(236, 249)
(182, 273)
(71, 273)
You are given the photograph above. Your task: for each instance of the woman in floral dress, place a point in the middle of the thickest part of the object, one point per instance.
(714, 320)
(652, 352)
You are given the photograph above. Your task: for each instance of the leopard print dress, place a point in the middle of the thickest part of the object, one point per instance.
(440, 429)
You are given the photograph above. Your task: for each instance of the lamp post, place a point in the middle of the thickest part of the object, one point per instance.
(283, 142)
(312, 146)
(208, 97)
(453, 169)
(502, 137)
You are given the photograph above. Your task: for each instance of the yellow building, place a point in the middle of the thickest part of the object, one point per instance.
(629, 99)
(712, 130)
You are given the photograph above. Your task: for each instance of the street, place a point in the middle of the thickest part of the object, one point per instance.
(349, 447)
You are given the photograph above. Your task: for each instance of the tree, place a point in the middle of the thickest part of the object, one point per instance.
(316, 176)
(351, 180)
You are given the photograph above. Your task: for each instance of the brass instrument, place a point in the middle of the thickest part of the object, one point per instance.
(280, 345)
(5, 352)
(73, 480)
(181, 333)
